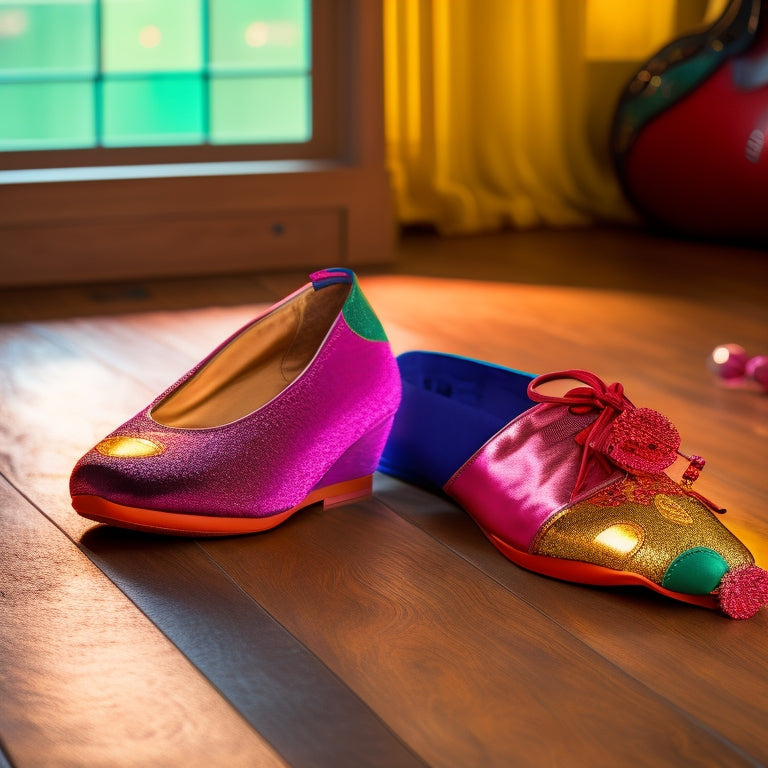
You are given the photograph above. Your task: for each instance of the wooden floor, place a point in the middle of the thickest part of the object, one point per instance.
(388, 632)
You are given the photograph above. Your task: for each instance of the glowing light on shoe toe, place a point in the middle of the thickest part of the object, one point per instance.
(129, 447)
(622, 538)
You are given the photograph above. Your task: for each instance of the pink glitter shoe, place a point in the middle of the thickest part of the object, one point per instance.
(291, 410)
(570, 486)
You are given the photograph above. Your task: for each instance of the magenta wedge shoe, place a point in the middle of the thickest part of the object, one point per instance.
(570, 486)
(292, 410)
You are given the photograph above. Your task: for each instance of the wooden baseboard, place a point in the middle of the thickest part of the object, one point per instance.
(52, 233)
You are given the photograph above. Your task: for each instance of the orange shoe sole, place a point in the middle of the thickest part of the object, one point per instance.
(180, 524)
(588, 573)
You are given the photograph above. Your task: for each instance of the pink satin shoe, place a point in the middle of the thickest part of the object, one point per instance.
(572, 486)
(292, 410)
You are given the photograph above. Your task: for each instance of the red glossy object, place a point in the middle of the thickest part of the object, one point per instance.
(691, 132)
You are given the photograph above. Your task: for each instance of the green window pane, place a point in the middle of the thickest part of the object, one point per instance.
(264, 109)
(84, 73)
(48, 39)
(264, 35)
(152, 35)
(46, 116)
(153, 111)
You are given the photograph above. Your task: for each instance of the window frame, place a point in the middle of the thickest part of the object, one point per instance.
(327, 17)
(193, 210)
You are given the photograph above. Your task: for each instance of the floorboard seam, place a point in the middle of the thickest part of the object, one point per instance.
(311, 653)
(94, 560)
(751, 760)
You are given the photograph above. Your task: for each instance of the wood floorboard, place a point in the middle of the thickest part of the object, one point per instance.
(86, 678)
(388, 632)
(416, 631)
(290, 697)
(57, 301)
(4, 761)
(696, 660)
(612, 258)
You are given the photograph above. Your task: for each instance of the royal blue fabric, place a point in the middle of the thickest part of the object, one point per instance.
(451, 406)
(340, 275)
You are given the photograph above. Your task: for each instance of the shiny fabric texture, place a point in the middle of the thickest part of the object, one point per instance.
(450, 406)
(671, 523)
(526, 473)
(560, 490)
(329, 424)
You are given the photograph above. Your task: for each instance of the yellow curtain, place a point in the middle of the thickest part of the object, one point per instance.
(498, 111)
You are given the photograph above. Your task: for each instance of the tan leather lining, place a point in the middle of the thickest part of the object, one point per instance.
(257, 365)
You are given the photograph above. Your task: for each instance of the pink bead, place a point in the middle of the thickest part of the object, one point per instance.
(757, 370)
(728, 361)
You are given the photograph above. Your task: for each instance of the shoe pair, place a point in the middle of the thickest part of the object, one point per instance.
(304, 403)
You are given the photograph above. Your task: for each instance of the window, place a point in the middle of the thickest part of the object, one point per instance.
(160, 137)
(117, 73)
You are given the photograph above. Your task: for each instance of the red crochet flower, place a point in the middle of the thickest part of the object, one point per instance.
(643, 440)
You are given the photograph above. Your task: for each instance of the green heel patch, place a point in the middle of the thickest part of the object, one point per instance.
(360, 316)
(696, 571)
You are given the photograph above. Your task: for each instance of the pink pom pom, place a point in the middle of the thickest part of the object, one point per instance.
(743, 591)
(728, 361)
(757, 370)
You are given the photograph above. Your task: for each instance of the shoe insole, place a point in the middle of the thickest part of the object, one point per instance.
(451, 406)
(257, 365)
